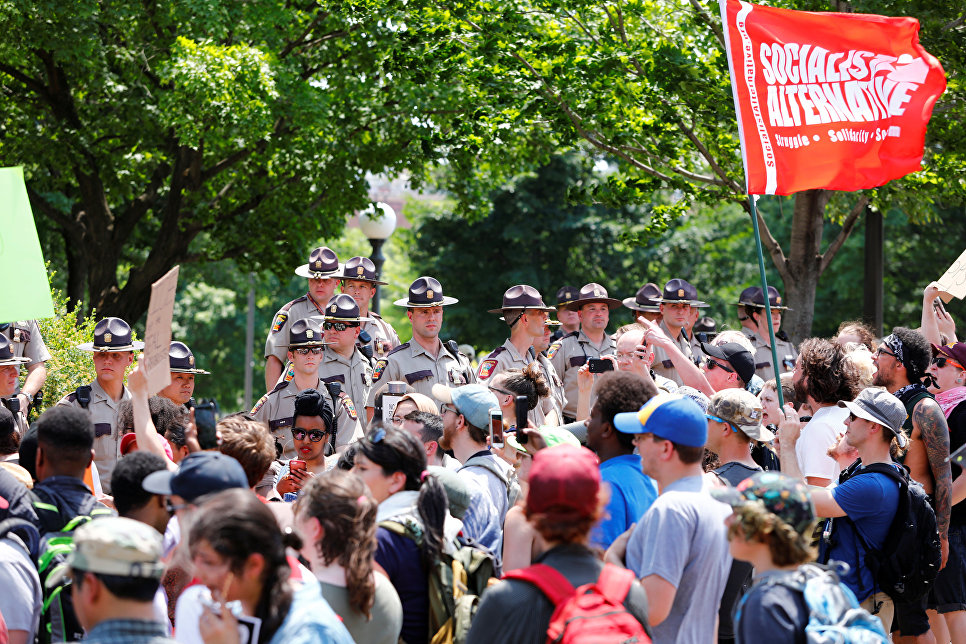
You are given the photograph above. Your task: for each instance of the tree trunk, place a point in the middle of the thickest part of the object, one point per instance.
(803, 264)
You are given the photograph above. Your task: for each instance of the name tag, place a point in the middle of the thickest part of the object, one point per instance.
(281, 423)
(416, 376)
(578, 361)
(667, 364)
(339, 378)
(102, 429)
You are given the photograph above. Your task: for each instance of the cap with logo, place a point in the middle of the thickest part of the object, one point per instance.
(672, 417)
(741, 359)
(343, 308)
(361, 269)
(779, 494)
(198, 474)
(593, 293)
(323, 264)
(111, 335)
(181, 360)
(6, 353)
(752, 296)
(955, 351)
(564, 480)
(522, 297)
(426, 292)
(646, 299)
(679, 291)
(473, 401)
(566, 295)
(306, 332)
(743, 409)
(879, 406)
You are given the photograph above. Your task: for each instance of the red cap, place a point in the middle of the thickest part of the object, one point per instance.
(129, 443)
(564, 479)
(955, 351)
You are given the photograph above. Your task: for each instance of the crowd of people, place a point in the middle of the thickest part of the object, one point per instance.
(387, 491)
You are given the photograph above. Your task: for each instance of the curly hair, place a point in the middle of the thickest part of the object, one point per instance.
(619, 392)
(346, 511)
(859, 329)
(529, 382)
(827, 376)
(916, 352)
(786, 545)
(250, 443)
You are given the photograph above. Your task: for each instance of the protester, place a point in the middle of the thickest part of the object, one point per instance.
(336, 517)
(428, 429)
(22, 598)
(247, 441)
(413, 402)
(855, 331)
(312, 429)
(528, 381)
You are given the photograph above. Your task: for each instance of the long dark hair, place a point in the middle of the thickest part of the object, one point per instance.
(347, 512)
(395, 450)
(236, 525)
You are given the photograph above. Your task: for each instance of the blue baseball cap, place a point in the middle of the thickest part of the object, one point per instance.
(672, 417)
(199, 474)
(473, 401)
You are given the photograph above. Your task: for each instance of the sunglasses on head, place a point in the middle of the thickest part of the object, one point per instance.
(315, 435)
(712, 363)
(304, 351)
(339, 326)
(940, 361)
(719, 419)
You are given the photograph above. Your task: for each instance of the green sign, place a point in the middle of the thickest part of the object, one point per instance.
(26, 291)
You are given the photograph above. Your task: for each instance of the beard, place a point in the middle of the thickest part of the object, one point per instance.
(801, 392)
(446, 440)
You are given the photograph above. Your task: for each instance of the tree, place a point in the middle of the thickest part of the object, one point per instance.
(647, 83)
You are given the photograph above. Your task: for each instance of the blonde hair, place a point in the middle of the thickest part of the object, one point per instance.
(861, 358)
(733, 336)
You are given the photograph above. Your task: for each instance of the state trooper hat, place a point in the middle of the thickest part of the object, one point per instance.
(6, 353)
(591, 294)
(424, 293)
(323, 264)
(111, 335)
(566, 295)
(645, 300)
(344, 309)
(360, 269)
(679, 291)
(181, 360)
(752, 296)
(522, 297)
(306, 332)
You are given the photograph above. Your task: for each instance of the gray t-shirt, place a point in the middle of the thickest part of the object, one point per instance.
(21, 599)
(387, 614)
(682, 538)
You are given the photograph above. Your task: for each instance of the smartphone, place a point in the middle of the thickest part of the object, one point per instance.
(295, 465)
(938, 305)
(521, 408)
(496, 428)
(600, 365)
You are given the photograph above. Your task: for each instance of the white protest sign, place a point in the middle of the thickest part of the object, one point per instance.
(157, 334)
(953, 282)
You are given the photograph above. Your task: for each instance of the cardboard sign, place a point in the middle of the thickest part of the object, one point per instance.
(953, 281)
(157, 333)
(27, 296)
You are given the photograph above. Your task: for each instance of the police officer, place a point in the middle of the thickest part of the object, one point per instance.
(359, 280)
(751, 313)
(570, 352)
(645, 301)
(113, 352)
(569, 320)
(277, 407)
(342, 361)
(424, 360)
(183, 371)
(9, 379)
(26, 342)
(323, 272)
(678, 302)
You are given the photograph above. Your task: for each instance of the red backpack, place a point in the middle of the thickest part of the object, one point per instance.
(592, 613)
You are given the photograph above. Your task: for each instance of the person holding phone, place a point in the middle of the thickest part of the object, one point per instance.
(312, 435)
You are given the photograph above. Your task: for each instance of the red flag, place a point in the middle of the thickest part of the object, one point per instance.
(828, 100)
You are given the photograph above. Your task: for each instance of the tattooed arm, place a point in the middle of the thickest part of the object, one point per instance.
(929, 419)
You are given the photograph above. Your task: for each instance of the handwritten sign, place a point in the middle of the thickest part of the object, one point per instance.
(27, 295)
(953, 281)
(157, 333)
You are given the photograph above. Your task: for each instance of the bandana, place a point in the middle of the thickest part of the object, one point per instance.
(949, 399)
(910, 391)
(895, 345)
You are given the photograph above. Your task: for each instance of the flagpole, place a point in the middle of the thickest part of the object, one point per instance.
(764, 290)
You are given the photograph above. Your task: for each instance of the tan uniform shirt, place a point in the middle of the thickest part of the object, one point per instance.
(662, 363)
(558, 398)
(107, 437)
(26, 342)
(507, 357)
(277, 408)
(412, 364)
(297, 309)
(353, 373)
(382, 334)
(786, 355)
(568, 354)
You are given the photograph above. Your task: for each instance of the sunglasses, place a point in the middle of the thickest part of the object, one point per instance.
(315, 435)
(713, 363)
(940, 361)
(304, 351)
(339, 326)
(500, 391)
(722, 420)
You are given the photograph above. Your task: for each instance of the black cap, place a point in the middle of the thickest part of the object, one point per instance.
(111, 335)
(734, 354)
(199, 474)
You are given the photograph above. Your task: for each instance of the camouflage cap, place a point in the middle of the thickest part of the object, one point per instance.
(743, 409)
(114, 546)
(785, 497)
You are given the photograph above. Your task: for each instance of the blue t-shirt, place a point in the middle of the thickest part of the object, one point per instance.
(399, 556)
(631, 493)
(870, 501)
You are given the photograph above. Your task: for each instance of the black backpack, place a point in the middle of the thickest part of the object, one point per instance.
(906, 565)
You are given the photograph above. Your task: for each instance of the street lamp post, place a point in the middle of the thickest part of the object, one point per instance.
(377, 223)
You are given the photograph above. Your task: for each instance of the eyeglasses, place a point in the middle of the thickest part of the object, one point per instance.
(304, 351)
(714, 363)
(339, 326)
(629, 356)
(501, 391)
(445, 407)
(880, 351)
(315, 435)
(733, 427)
(940, 361)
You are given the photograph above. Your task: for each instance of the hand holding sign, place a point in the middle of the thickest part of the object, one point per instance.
(157, 334)
(953, 282)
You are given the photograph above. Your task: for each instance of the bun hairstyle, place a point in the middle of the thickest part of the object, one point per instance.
(395, 450)
(311, 402)
(346, 511)
(529, 382)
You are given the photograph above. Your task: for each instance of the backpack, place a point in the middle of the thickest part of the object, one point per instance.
(591, 613)
(456, 582)
(906, 565)
(513, 492)
(834, 613)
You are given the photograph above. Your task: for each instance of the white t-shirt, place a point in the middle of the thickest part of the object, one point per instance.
(818, 435)
(21, 599)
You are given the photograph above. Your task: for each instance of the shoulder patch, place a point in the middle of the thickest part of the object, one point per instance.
(486, 368)
(279, 321)
(259, 404)
(554, 348)
(349, 407)
(380, 367)
(404, 345)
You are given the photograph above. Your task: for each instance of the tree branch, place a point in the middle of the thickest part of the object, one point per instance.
(709, 21)
(847, 226)
(770, 243)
